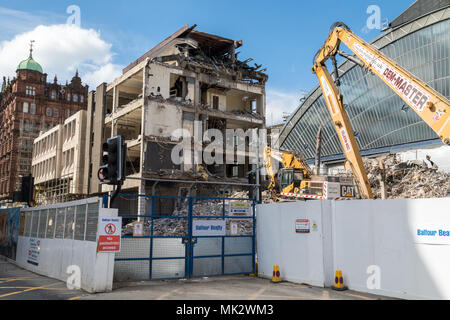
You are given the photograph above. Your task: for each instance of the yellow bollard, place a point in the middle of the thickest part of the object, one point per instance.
(339, 282)
(276, 278)
(256, 270)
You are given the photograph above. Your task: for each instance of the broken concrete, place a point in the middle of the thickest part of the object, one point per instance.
(411, 179)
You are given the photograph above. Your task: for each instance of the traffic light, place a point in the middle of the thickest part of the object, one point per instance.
(113, 171)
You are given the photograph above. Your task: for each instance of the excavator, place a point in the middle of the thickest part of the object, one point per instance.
(296, 180)
(431, 106)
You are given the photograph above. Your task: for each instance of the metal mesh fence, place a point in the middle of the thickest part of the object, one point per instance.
(34, 224)
(60, 220)
(92, 220)
(51, 223)
(42, 223)
(168, 247)
(80, 222)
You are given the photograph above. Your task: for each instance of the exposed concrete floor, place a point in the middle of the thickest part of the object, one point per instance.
(19, 284)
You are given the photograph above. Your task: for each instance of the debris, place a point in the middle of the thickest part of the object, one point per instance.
(411, 179)
(178, 227)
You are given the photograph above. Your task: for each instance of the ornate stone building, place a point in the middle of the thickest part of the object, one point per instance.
(28, 105)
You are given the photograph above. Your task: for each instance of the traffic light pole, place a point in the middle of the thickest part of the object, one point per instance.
(115, 194)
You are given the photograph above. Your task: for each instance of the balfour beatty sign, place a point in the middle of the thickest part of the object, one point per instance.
(432, 236)
(207, 228)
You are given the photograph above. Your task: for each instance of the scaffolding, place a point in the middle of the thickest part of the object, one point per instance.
(56, 191)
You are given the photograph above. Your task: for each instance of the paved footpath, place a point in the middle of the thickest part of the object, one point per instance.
(19, 284)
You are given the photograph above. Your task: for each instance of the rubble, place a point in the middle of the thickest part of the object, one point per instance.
(411, 179)
(201, 208)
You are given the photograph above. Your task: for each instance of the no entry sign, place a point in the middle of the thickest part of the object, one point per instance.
(109, 231)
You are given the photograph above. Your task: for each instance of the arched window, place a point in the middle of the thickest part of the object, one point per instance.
(75, 98)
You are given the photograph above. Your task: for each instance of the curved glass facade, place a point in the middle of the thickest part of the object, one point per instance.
(379, 117)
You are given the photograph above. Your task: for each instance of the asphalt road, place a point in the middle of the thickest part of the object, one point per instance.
(19, 284)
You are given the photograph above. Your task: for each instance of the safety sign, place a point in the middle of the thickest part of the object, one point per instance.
(302, 226)
(240, 209)
(109, 231)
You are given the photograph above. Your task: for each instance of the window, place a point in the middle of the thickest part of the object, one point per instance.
(56, 113)
(30, 91)
(82, 99)
(75, 98)
(48, 112)
(215, 102)
(25, 107)
(68, 97)
(53, 94)
(254, 108)
(67, 113)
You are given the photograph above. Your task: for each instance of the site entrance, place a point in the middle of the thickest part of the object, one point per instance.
(186, 237)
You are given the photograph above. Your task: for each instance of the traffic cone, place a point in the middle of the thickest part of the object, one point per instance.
(339, 282)
(276, 278)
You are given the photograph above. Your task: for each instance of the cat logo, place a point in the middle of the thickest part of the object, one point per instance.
(347, 191)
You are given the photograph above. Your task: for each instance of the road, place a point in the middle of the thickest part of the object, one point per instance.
(19, 284)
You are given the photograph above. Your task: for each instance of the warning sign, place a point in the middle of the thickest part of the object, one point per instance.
(240, 209)
(109, 231)
(302, 226)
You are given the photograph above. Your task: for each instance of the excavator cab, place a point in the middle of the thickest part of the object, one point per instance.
(291, 179)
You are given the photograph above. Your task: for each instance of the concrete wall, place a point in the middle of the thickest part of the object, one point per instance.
(355, 236)
(54, 255)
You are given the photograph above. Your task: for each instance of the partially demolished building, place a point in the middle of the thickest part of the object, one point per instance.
(191, 77)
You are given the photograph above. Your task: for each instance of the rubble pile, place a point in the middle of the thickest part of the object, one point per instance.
(411, 179)
(201, 208)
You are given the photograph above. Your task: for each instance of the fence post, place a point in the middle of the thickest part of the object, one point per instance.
(189, 250)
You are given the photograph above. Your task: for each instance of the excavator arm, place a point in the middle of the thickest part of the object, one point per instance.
(432, 107)
(287, 159)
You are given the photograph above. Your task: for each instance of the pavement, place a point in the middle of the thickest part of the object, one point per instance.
(19, 284)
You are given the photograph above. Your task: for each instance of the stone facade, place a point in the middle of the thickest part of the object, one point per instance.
(29, 105)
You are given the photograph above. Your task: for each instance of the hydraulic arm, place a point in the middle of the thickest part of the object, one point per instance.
(431, 106)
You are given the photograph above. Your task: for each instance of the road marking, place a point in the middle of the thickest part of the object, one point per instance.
(27, 290)
(326, 295)
(168, 294)
(256, 295)
(358, 296)
(74, 298)
(12, 280)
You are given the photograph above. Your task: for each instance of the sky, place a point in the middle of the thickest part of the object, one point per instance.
(283, 36)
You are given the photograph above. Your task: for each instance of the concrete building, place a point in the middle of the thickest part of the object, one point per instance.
(419, 41)
(28, 105)
(191, 76)
(58, 163)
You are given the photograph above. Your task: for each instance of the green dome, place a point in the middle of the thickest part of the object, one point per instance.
(30, 64)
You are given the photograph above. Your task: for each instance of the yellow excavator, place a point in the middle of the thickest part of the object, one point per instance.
(296, 180)
(431, 106)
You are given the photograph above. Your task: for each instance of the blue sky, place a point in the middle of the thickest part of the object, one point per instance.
(281, 35)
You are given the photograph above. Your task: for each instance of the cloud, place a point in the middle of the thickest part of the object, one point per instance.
(61, 49)
(279, 103)
(105, 73)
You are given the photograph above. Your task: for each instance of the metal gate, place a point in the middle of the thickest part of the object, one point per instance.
(186, 237)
